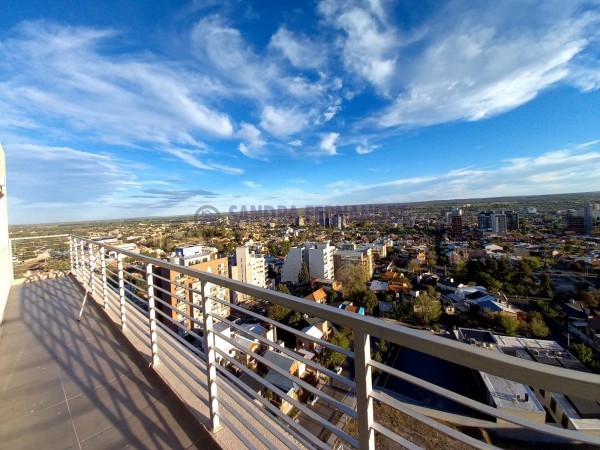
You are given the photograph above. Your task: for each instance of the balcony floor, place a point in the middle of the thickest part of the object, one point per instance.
(68, 384)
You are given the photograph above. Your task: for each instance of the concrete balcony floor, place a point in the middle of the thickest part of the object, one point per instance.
(68, 384)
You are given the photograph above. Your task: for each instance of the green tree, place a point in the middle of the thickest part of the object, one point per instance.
(278, 312)
(507, 324)
(304, 274)
(353, 278)
(545, 289)
(537, 327)
(335, 358)
(582, 352)
(414, 265)
(427, 309)
(283, 288)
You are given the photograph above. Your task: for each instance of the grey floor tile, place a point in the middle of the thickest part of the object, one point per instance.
(31, 397)
(50, 428)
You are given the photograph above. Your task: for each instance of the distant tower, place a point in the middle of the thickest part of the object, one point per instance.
(456, 225)
(499, 223)
(299, 221)
(324, 218)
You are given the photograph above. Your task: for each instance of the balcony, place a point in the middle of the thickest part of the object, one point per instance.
(128, 371)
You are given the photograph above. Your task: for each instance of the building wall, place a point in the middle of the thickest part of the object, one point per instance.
(5, 260)
(320, 260)
(292, 264)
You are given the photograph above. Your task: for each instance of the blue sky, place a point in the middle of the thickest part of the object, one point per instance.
(128, 109)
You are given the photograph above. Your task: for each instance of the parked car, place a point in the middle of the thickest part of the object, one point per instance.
(312, 399)
(337, 369)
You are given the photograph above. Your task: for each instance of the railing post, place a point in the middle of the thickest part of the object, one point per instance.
(121, 292)
(152, 315)
(71, 259)
(76, 254)
(364, 386)
(104, 281)
(82, 260)
(92, 267)
(211, 359)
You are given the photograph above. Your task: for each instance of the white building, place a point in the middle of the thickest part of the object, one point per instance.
(249, 268)
(318, 256)
(320, 259)
(293, 264)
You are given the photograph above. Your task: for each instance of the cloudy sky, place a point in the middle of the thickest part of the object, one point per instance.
(127, 109)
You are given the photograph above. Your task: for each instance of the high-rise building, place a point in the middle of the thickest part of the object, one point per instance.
(299, 221)
(176, 287)
(249, 268)
(339, 221)
(499, 223)
(324, 218)
(512, 219)
(485, 220)
(456, 224)
(293, 263)
(574, 221)
(320, 259)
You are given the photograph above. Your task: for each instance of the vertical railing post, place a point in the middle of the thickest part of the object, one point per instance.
(76, 253)
(152, 315)
(92, 267)
(364, 387)
(82, 261)
(71, 258)
(211, 357)
(104, 281)
(121, 292)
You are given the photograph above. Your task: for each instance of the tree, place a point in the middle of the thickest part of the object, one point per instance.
(545, 289)
(414, 265)
(353, 278)
(278, 312)
(537, 327)
(332, 357)
(507, 324)
(582, 352)
(427, 309)
(304, 274)
(283, 289)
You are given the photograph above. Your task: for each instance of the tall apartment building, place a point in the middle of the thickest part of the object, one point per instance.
(324, 218)
(512, 219)
(499, 223)
(339, 221)
(249, 268)
(292, 264)
(574, 221)
(173, 285)
(485, 220)
(320, 259)
(456, 222)
(299, 221)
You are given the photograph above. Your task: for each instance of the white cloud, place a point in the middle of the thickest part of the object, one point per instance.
(283, 122)
(300, 50)
(253, 143)
(251, 184)
(191, 157)
(296, 143)
(370, 43)
(478, 62)
(365, 149)
(60, 74)
(573, 169)
(328, 143)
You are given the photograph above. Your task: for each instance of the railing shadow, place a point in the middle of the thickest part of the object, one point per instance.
(92, 354)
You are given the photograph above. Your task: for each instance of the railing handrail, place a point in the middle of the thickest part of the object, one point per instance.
(48, 236)
(578, 384)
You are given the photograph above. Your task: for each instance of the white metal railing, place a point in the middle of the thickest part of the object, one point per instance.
(148, 308)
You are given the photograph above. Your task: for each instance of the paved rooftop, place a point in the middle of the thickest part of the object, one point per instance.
(68, 384)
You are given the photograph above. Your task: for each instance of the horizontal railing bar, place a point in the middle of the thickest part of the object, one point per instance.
(313, 390)
(289, 399)
(321, 342)
(394, 437)
(406, 409)
(185, 343)
(474, 404)
(171, 294)
(248, 394)
(38, 237)
(244, 439)
(289, 352)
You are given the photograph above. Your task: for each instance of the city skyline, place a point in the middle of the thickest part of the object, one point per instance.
(116, 111)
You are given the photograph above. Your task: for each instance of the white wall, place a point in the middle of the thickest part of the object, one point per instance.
(5, 261)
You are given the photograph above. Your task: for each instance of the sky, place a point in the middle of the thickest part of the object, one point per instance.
(134, 109)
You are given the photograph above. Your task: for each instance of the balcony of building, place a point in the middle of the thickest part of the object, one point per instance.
(130, 374)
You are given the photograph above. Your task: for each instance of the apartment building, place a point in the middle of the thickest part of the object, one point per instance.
(250, 268)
